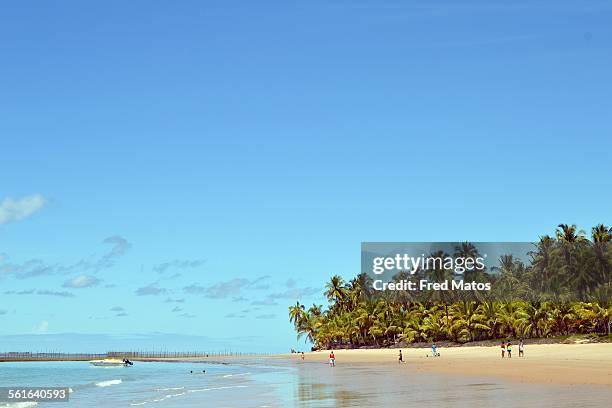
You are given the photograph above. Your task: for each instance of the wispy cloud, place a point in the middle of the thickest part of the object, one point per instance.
(260, 283)
(234, 316)
(187, 315)
(264, 302)
(292, 293)
(194, 289)
(223, 290)
(3, 312)
(177, 309)
(37, 267)
(28, 269)
(171, 300)
(231, 288)
(21, 208)
(151, 290)
(119, 247)
(117, 309)
(54, 293)
(178, 264)
(39, 292)
(82, 281)
(20, 292)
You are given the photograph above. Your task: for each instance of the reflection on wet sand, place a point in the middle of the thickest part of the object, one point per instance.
(360, 384)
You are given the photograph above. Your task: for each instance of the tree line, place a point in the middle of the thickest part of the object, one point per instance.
(565, 288)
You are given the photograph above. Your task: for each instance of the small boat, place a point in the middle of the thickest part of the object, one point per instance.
(111, 362)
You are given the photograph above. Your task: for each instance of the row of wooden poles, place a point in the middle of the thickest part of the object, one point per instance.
(46, 356)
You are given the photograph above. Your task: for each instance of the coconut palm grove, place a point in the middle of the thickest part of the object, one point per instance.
(565, 290)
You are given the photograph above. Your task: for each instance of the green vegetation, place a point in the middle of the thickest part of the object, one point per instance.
(565, 290)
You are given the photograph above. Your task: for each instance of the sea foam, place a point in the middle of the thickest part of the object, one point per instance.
(23, 404)
(108, 383)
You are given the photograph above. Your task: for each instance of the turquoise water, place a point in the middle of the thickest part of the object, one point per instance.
(150, 384)
(277, 383)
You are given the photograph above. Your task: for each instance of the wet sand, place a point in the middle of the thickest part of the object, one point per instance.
(359, 384)
(561, 364)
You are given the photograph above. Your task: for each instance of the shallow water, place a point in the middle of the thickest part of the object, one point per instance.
(277, 383)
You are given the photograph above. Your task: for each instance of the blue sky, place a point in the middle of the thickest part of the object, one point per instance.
(232, 155)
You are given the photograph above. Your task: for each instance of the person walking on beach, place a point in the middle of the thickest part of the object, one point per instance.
(332, 359)
(509, 348)
(521, 348)
(401, 358)
(302, 356)
(434, 350)
(503, 349)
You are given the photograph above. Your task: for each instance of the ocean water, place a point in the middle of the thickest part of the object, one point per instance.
(279, 383)
(156, 384)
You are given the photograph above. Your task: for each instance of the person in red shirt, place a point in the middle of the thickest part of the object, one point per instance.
(332, 359)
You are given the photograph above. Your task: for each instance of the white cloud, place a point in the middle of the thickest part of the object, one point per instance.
(82, 281)
(42, 327)
(18, 209)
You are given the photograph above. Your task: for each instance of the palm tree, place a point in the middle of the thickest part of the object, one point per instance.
(297, 314)
(602, 253)
(536, 319)
(336, 291)
(541, 260)
(467, 250)
(488, 317)
(567, 233)
(601, 233)
(466, 321)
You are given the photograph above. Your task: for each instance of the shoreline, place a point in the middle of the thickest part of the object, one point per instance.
(562, 364)
(556, 364)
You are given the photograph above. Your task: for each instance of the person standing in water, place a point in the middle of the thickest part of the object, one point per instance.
(434, 350)
(332, 359)
(509, 348)
(302, 356)
(401, 358)
(521, 348)
(503, 349)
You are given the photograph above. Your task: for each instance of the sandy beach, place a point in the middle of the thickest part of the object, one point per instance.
(562, 364)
